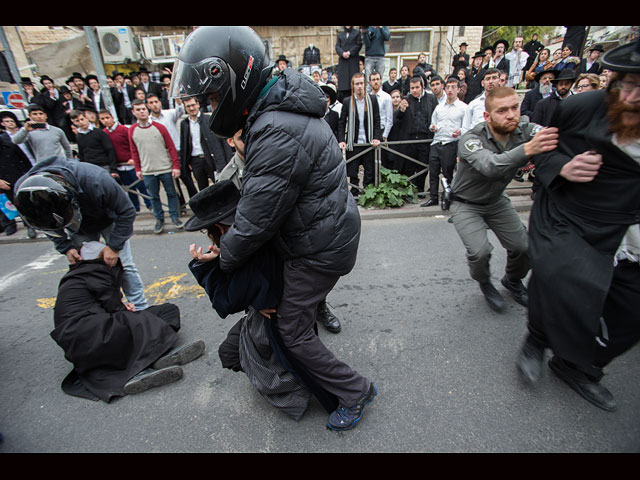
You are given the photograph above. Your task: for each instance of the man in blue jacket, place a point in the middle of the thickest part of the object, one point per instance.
(374, 49)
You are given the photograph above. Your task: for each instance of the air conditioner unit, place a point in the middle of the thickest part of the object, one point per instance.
(118, 45)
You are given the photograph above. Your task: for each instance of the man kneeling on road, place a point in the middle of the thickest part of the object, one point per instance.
(490, 154)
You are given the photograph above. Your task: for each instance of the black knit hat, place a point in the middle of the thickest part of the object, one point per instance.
(214, 204)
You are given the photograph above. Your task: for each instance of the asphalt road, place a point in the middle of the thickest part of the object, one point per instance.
(413, 321)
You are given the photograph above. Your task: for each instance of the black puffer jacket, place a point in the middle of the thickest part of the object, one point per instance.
(294, 188)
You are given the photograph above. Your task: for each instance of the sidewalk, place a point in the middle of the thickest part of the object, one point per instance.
(520, 194)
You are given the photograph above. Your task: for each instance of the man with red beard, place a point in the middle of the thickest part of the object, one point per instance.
(584, 236)
(489, 156)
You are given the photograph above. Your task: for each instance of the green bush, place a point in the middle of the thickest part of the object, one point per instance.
(393, 191)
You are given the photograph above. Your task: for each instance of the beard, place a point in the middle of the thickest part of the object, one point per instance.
(625, 131)
(545, 89)
(505, 128)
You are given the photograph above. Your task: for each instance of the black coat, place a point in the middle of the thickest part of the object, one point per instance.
(405, 120)
(332, 119)
(474, 84)
(255, 286)
(216, 150)
(576, 228)
(294, 187)
(106, 343)
(13, 162)
(595, 68)
(529, 102)
(545, 109)
(347, 67)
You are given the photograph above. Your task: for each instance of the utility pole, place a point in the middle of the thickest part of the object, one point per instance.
(13, 67)
(96, 56)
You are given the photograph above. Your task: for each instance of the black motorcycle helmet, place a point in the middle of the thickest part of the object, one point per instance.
(46, 202)
(229, 65)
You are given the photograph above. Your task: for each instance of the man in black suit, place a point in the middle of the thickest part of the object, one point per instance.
(331, 116)
(201, 152)
(590, 63)
(461, 60)
(348, 45)
(127, 91)
(474, 78)
(147, 84)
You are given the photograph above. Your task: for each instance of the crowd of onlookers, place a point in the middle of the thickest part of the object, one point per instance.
(74, 120)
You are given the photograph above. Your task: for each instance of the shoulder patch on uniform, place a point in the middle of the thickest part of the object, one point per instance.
(473, 145)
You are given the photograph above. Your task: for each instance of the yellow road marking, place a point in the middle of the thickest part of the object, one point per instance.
(160, 291)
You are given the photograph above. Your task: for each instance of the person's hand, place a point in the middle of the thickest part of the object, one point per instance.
(433, 128)
(456, 134)
(342, 145)
(73, 256)
(130, 306)
(139, 175)
(403, 105)
(175, 173)
(375, 142)
(346, 54)
(267, 311)
(582, 168)
(4, 185)
(130, 162)
(115, 175)
(109, 256)
(543, 141)
(198, 254)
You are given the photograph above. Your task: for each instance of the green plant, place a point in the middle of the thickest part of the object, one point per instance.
(394, 190)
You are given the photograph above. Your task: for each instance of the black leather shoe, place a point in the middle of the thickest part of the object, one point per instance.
(492, 296)
(587, 388)
(517, 289)
(150, 378)
(530, 361)
(180, 355)
(430, 203)
(11, 229)
(328, 320)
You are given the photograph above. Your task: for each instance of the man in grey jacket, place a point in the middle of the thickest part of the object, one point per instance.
(294, 191)
(490, 154)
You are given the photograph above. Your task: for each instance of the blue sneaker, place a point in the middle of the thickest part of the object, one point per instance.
(345, 418)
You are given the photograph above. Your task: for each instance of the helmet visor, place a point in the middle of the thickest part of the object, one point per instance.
(199, 79)
(49, 211)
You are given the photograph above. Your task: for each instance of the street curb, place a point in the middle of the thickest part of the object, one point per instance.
(145, 221)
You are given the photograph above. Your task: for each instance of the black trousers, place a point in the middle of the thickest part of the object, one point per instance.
(367, 160)
(296, 322)
(202, 171)
(442, 159)
(620, 329)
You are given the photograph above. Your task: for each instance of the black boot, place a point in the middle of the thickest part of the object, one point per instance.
(530, 360)
(492, 296)
(328, 320)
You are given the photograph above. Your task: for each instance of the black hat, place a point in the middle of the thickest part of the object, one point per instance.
(165, 75)
(64, 89)
(501, 41)
(625, 58)
(77, 75)
(7, 114)
(464, 44)
(330, 89)
(488, 47)
(46, 77)
(597, 47)
(282, 58)
(215, 204)
(89, 77)
(478, 54)
(565, 74)
(540, 74)
(26, 81)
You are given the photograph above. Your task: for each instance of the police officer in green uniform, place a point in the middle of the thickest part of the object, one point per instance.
(489, 155)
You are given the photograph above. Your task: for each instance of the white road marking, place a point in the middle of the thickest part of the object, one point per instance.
(40, 263)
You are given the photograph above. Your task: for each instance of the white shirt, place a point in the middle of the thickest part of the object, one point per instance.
(169, 118)
(194, 129)
(447, 118)
(517, 61)
(475, 112)
(386, 112)
(362, 135)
